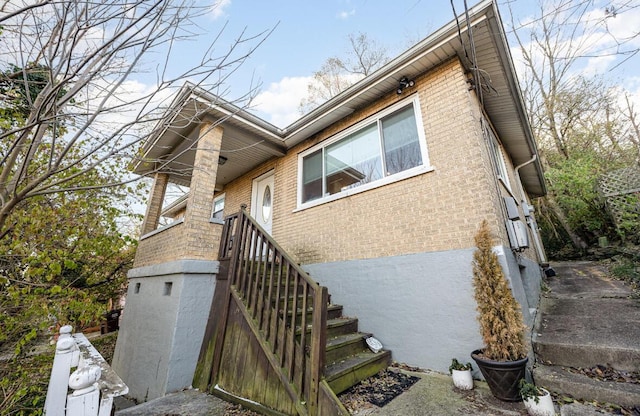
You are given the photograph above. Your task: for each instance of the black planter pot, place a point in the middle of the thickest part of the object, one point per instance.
(502, 376)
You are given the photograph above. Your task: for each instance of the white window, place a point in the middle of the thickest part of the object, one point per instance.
(218, 208)
(381, 149)
(496, 148)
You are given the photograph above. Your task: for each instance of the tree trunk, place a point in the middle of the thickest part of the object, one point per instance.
(577, 241)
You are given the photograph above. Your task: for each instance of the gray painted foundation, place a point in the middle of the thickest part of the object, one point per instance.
(420, 306)
(163, 325)
(525, 277)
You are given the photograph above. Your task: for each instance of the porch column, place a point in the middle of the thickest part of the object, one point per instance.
(156, 198)
(200, 201)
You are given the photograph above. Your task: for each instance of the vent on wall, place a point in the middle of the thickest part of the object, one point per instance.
(167, 288)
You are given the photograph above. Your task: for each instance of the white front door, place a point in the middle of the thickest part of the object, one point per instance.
(262, 201)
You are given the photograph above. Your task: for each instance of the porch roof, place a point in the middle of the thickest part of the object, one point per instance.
(249, 140)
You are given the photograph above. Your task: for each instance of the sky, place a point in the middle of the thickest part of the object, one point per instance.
(302, 35)
(306, 33)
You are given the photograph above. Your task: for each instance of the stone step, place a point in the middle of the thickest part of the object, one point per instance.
(559, 380)
(586, 356)
(347, 372)
(346, 345)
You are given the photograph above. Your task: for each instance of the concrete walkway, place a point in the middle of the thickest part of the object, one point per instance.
(184, 403)
(432, 395)
(588, 319)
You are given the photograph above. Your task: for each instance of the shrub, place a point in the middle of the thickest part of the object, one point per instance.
(501, 323)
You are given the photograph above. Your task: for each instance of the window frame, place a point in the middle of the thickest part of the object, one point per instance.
(362, 124)
(502, 172)
(213, 209)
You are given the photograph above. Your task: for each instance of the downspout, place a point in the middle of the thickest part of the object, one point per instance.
(530, 220)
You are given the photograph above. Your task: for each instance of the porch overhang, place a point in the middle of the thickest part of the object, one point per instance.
(249, 141)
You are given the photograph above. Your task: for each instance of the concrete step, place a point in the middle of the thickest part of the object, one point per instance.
(588, 319)
(559, 380)
(574, 355)
(347, 372)
(585, 332)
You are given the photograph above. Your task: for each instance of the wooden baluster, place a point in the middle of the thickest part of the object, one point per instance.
(244, 259)
(253, 301)
(276, 307)
(86, 396)
(292, 339)
(268, 308)
(303, 337)
(318, 346)
(282, 335)
(263, 286)
(55, 401)
(239, 277)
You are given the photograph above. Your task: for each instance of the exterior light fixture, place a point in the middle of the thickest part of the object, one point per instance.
(404, 83)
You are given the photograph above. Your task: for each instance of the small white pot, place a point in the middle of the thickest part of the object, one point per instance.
(544, 407)
(462, 379)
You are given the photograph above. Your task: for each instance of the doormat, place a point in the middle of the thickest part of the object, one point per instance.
(377, 390)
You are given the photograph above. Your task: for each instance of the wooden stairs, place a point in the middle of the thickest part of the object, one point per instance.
(273, 337)
(348, 358)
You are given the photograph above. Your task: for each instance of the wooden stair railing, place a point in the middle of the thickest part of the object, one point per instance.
(285, 308)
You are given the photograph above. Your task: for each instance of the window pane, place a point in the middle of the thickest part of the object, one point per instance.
(266, 204)
(501, 169)
(312, 176)
(401, 142)
(218, 208)
(353, 161)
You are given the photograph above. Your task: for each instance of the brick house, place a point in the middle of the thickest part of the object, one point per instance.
(377, 194)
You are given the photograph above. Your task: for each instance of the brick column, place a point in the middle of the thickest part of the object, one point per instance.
(199, 239)
(154, 207)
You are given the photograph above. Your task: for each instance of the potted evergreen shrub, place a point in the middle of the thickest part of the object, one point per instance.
(503, 358)
(537, 400)
(461, 374)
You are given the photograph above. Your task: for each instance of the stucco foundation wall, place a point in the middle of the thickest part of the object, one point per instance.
(420, 306)
(160, 334)
(525, 278)
(521, 274)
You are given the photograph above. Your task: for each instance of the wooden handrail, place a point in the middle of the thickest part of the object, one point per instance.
(287, 306)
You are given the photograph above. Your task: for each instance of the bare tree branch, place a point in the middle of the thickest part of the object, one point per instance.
(339, 73)
(74, 64)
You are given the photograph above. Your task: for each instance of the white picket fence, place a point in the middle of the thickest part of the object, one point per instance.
(93, 384)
